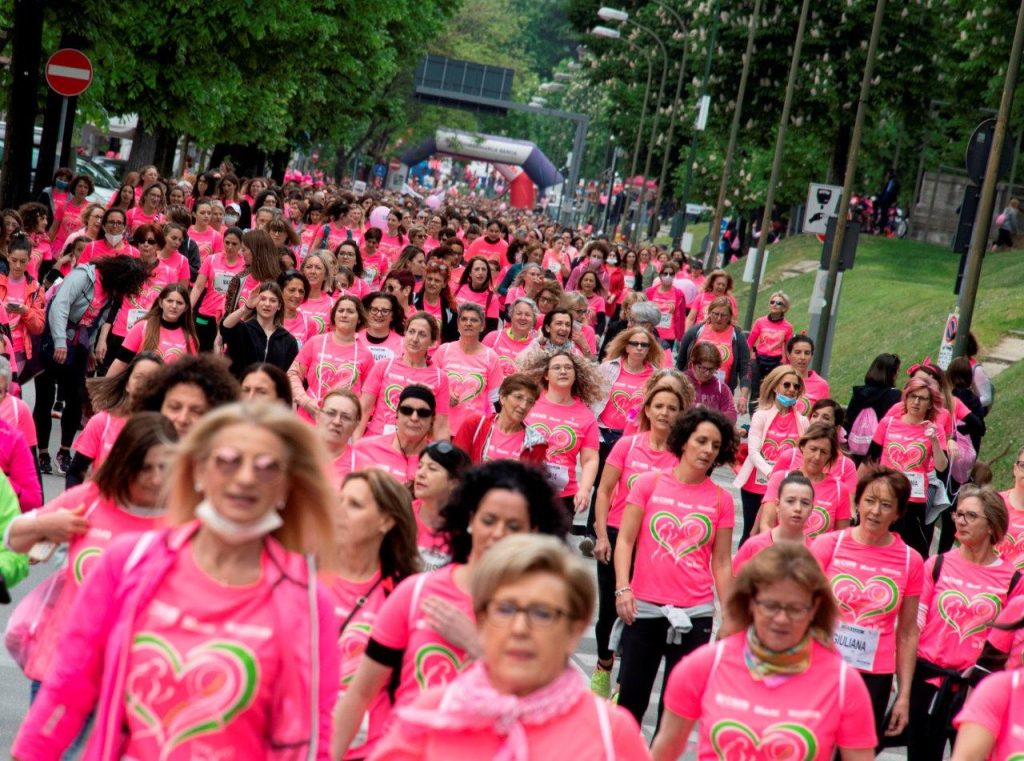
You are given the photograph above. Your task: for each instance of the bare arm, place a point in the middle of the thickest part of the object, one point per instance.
(907, 635)
(589, 461)
(609, 478)
(625, 603)
(58, 526)
(367, 402)
(721, 568)
(197, 290)
(673, 735)
(370, 678)
(973, 743)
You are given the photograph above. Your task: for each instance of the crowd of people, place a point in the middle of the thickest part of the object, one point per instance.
(323, 452)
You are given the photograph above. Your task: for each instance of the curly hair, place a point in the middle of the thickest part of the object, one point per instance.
(687, 424)
(546, 515)
(588, 385)
(207, 371)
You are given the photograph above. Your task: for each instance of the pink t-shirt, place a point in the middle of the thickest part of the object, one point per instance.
(473, 380)
(386, 382)
(633, 456)
(908, 450)
(69, 219)
(15, 412)
(503, 446)
(754, 546)
(318, 310)
(768, 338)
(507, 348)
(678, 531)
(428, 660)
(433, 545)
(301, 327)
(805, 716)
(218, 274)
(379, 452)
(172, 345)
(668, 303)
(997, 705)
(784, 431)
(569, 429)
(943, 420)
(16, 290)
(831, 502)
(388, 250)
(495, 252)
(308, 235)
(100, 248)
(791, 458)
(870, 584)
(136, 217)
(955, 612)
(487, 299)
(704, 300)
(330, 365)
(134, 308)
(98, 437)
(353, 639)
(1012, 546)
(815, 389)
(595, 306)
(173, 269)
(625, 397)
(209, 242)
(201, 669)
(392, 346)
(721, 340)
(106, 521)
(1011, 641)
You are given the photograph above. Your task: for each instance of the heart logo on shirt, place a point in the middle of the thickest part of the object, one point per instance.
(436, 665)
(180, 699)
(818, 522)
(803, 405)
(352, 645)
(84, 561)
(623, 402)
(724, 350)
(680, 537)
(172, 354)
(1012, 548)
(906, 458)
(465, 387)
(391, 394)
(786, 741)
(771, 448)
(330, 376)
(875, 597)
(968, 615)
(561, 438)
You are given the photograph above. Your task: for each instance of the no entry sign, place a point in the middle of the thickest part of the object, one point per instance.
(69, 72)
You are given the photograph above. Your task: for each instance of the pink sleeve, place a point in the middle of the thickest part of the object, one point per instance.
(617, 457)
(1002, 639)
(743, 554)
(493, 306)
(988, 704)
(641, 491)
(755, 333)
(206, 268)
(88, 441)
(330, 671)
(843, 508)
(404, 741)
(391, 628)
(940, 434)
(374, 380)
(442, 393)
(627, 739)
(726, 509)
(915, 579)
(823, 548)
(183, 271)
(21, 472)
(879, 437)
(365, 363)
(495, 376)
(853, 732)
(306, 354)
(927, 590)
(685, 687)
(771, 491)
(591, 439)
(133, 341)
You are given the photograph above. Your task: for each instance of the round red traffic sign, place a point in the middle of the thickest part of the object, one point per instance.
(69, 72)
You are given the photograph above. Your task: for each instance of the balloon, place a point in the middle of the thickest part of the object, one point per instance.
(433, 202)
(379, 218)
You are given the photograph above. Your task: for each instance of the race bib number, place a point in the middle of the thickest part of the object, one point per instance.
(389, 429)
(917, 486)
(134, 315)
(629, 281)
(558, 475)
(666, 320)
(370, 274)
(856, 644)
(760, 478)
(221, 281)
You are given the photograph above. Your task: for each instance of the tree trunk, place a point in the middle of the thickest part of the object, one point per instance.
(143, 148)
(247, 160)
(16, 170)
(163, 154)
(278, 163)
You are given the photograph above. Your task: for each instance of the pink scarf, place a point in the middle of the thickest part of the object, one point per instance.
(470, 702)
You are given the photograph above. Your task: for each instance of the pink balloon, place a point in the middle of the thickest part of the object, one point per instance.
(433, 202)
(379, 218)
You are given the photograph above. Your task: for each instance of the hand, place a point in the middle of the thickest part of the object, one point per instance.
(90, 362)
(625, 607)
(952, 450)
(60, 356)
(101, 350)
(899, 716)
(581, 501)
(603, 550)
(309, 405)
(453, 400)
(929, 431)
(64, 525)
(452, 624)
(250, 301)
(741, 403)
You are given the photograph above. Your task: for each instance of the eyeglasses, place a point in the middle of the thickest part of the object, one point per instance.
(149, 242)
(790, 386)
(793, 612)
(420, 412)
(967, 516)
(639, 345)
(382, 311)
(1019, 463)
(338, 415)
(707, 369)
(265, 468)
(113, 223)
(504, 612)
(918, 399)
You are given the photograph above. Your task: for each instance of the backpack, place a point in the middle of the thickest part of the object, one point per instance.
(960, 467)
(862, 431)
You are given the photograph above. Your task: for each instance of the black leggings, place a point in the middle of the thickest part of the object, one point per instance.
(913, 530)
(643, 647)
(71, 378)
(206, 331)
(606, 614)
(608, 440)
(879, 688)
(927, 734)
(751, 504)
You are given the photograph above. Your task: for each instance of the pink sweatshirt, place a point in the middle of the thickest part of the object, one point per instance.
(95, 646)
(18, 464)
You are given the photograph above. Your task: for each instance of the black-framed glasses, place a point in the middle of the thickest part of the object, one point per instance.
(968, 516)
(420, 412)
(639, 345)
(382, 311)
(790, 386)
(148, 242)
(504, 612)
(113, 223)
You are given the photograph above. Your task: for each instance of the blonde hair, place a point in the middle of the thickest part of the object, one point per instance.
(781, 296)
(643, 423)
(521, 555)
(344, 393)
(307, 509)
(330, 263)
(617, 346)
(771, 381)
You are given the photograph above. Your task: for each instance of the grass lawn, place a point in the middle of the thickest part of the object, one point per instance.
(897, 299)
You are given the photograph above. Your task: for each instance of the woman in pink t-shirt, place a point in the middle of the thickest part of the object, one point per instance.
(317, 306)
(768, 337)
(795, 505)
(630, 359)
(438, 473)
(819, 448)
(208, 240)
(964, 591)
(376, 536)
(474, 372)
(68, 216)
(773, 427)
(518, 332)
(225, 595)
(718, 284)
(524, 699)
(385, 325)
(476, 286)
(336, 421)
(629, 457)
(799, 353)
(594, 293)
(773, 687)
(294, 287)
(212, 283)
(913, 444)
(148, 210)
(876, 580)
(671, 305)
(424, 633)
(991, 725)
(398, 452)
(1012, 547)
(114, 241)
(167, 329)
(679, 522)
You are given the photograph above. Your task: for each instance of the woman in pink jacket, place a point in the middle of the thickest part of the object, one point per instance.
(212, 635)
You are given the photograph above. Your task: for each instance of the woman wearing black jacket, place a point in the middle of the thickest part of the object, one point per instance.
(878, 393)
(255, 332)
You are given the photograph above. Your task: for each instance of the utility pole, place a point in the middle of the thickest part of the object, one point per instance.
(979, 239)
(780, 144)
(844, 204)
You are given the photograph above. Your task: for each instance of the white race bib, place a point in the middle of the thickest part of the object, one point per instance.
(760, 478)
(389, 429)
(856, 644)
(221, 281)
(558, 475)
(666, 320)
(134, 315)
(917, 485)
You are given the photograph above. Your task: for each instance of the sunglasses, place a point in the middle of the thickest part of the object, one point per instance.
(421, 412)
(149, 242)
(777, 303)
(790, 386)
(227, 461)
(638, 345)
